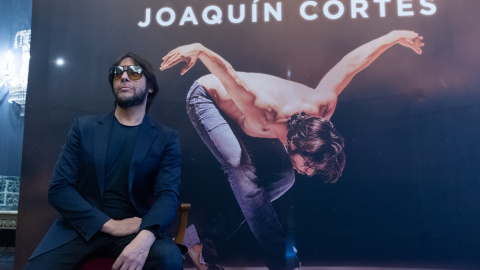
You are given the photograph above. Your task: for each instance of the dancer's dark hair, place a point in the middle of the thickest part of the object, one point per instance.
(318, 143)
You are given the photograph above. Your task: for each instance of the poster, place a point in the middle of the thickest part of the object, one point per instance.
(407, 195)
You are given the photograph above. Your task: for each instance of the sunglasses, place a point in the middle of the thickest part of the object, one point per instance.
(133, 72)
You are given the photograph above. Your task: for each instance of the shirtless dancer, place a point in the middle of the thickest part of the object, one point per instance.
(261, 127)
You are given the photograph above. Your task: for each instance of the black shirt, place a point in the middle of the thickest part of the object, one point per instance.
(117, 204)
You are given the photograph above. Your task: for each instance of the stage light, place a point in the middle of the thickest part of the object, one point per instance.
(60, 62)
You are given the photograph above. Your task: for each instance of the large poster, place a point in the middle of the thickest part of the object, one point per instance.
(328, 132)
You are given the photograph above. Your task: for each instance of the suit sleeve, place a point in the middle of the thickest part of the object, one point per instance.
(167, 183)
(63, 194)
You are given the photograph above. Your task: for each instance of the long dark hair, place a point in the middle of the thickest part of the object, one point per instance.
(319, 144)
(148, 72)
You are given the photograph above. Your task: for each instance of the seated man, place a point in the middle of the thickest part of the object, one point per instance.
(116, 182)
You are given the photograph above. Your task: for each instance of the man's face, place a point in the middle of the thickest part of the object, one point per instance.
(298, 163)
(128, 92)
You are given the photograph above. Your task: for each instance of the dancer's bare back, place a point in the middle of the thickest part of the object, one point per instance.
(276, 100)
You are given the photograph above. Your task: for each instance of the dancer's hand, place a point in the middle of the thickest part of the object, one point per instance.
(188, 53)
(409, 39)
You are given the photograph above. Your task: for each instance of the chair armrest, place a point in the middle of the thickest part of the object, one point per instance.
(183, 211)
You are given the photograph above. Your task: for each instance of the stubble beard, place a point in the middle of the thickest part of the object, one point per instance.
(136, 99)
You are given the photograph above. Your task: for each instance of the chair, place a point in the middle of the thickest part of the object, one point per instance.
(106, 263)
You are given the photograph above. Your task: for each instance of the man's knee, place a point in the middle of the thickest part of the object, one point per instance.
(164, 254)
(34, 264)
(51, 260)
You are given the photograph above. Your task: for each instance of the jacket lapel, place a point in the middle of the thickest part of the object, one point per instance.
(145, 138)
(101, 132)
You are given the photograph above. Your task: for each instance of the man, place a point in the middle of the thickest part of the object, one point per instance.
(116, 182)
(248, 120)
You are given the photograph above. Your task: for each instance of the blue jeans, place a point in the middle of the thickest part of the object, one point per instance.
(259, 171)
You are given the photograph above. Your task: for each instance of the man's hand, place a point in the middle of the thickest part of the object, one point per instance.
(122, 227)
(188, 53)
(135, 254)
(409, 39)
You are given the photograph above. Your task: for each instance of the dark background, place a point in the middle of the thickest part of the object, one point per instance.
(409, 192)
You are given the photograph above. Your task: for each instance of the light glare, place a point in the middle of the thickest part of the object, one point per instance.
(60, 62)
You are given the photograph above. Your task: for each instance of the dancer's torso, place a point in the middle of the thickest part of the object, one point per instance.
(277, 100)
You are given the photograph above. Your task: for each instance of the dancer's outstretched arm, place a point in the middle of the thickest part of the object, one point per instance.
(357, 60)
(236, 88)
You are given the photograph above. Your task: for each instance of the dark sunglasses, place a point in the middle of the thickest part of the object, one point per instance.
(133, 72)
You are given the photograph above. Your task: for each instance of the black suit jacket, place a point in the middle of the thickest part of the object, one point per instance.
(77, 184)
